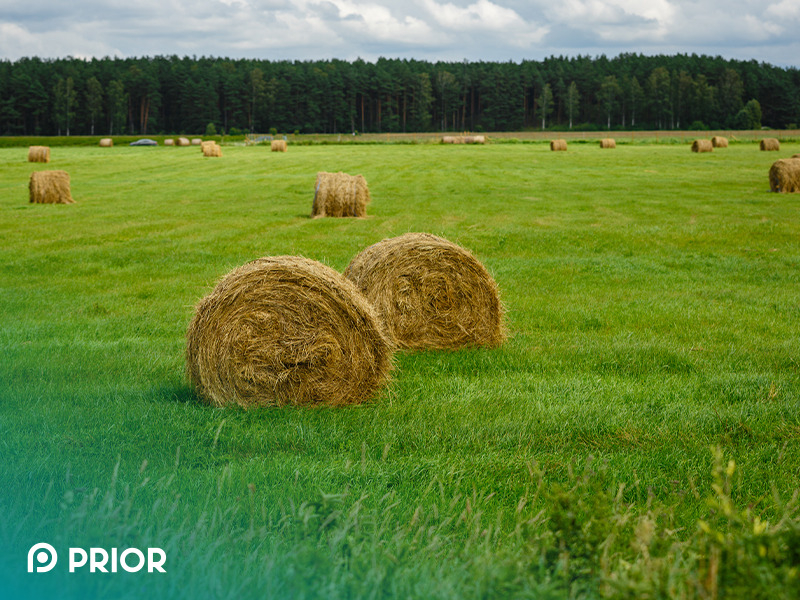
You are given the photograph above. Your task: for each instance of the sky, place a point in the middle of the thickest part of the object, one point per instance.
(448, 30)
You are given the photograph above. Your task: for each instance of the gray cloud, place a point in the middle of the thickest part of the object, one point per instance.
(425, 29)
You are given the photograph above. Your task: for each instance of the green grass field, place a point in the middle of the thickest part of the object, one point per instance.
(637, 436)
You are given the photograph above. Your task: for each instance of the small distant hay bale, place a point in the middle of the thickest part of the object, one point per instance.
(474, 139)
(464, 139)
(39, 154)
(784, 175)
(795, 155)
(196, 141)
(770, 144)
(430, 293)
(182, 141)
(702, 146)
(278, 145)
(719, 142)
(50, 187)
(340, 195)
(608, 143)
(286, 330)
(211, 149)
(169, 142)
(451, 139)
(558, 145)
(106, 143)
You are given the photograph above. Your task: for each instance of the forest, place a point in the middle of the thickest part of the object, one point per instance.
(169, 94)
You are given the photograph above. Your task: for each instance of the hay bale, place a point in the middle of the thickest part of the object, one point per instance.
(719, 142)
(39, 154)
(702, 146)
(278, 145)
(784, 175)
(770, 144)
(286, 330)
(430, 293)
(50, 187)
(340, 195)
(795, 155)
(169, 142)
(608, 143)
(211, 149)
(474, 139)
(196, 141)
(106, 143)
(451, 139)
(558, 145)
(182, 141)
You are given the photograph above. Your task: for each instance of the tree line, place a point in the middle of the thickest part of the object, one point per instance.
(170, 94)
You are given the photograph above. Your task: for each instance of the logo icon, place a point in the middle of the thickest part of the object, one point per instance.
(45, 555)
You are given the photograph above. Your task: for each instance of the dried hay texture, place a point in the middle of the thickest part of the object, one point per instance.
(464, 139)
(286, 330)
(784, 175)
(39, 154)
(50, 187)
(608, 143)
(719, 142)
(182, 141)
(340, 195)
(196, 141)
(430, 293)
(702, 146)
(770, 144)
(558, 145)
(278, 145)
(169, 142)
(211, 149)
(106, 143)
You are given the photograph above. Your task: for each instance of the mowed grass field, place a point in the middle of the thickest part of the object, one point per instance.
(638, 434)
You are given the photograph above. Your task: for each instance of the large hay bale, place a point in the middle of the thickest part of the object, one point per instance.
(278, 145)
(182, 141)
(211, 149)
(196, 141)
(784, 175)
(50, 187)
(340, 195)
(702, 146)
(719, 142)
(770, 144)
(430, 293)
(39, 154)
(169, 142)
(608, 143)
(558, 145)
(106, 143)
(286, 330)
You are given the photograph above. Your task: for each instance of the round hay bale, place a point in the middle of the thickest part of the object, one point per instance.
(106, 143)
(451, 139)
(608, 143)
(39, 154)
(182, 141)
(211, 149)
(795, 155)
(286, 330)
(430, 293)
(49, 187)
(169, 142)
(340, 195)
(278, 145)
(558, 145)
(719, 142)
(196, 141)
(474, 139)
(702, 146)
(784, 175)
(770, 144)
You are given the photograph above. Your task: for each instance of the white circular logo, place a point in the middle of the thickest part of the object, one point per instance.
(45, 555)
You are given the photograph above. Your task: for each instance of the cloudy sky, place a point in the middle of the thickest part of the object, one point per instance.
(765, 30)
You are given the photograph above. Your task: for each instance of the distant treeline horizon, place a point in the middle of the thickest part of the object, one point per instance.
(137, 96)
